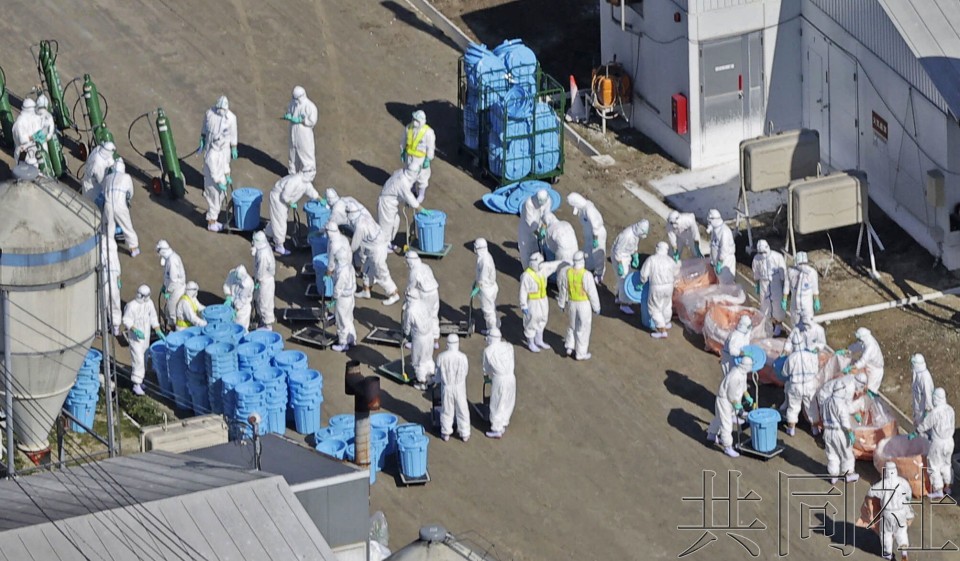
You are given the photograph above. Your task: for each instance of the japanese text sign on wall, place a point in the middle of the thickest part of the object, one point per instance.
(880, 126)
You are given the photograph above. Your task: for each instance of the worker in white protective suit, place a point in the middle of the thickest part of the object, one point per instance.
(806, 334)
(174, 278)
(218, 144)
(394, 192)
(95, 169)
(339, 205)
(285, 195)
(939, 424)
(803, 282)
(118, 192)
(870, 359)
(418, 329)
(25, 133)
(722, 248)
(498, 366)
(532, 212)
(578, 294)
(838, 435)
(853, 387)
(895, 496)
(561, 238)
(769, 272)
(683, 233)
(728, 406)
(485, 285)
(921, 388)
(594, 234)
(370, 240)
(302, 115)
(452, 369)
(238, 289)
(139, 318)
(111, 282)
(340, 266)
(660, 270)
(739, 338)
(48, 125)
(417, 151)
(533, 300)
(264, 273)
(624, 256)
(424, 291)
(189, 308)
(800, 371)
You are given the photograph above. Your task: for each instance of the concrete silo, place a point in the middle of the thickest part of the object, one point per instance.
(48, 298)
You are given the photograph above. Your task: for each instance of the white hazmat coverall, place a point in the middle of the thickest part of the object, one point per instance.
(239, 286)
(531, 216)
(624, 246)
(803, 282)
(733, 348)
(769, 271)
(174, 280)
(498, 365)
(594, 234)
(143, 316)
(344, 291)
(486, 279)
(369, 238)
(303, 157)
(562, 241)
(424, 291)
(395, 191)
(871, 361)
(111, 279)
(95, 170)
(811, 336)
(894, 495)
(579, 297)
(414, 163)
(24, 127)
(685, 235)
(220, 130)
(452, 369)
(533, 298)
(289, 190)
(338, 210)
(940, 423)
(800, 370)
(264, 272)
(730, 393)
(189, 310)
(836, 427)
(418, 325)
(922, 390)
(660, 270)
(118, 192)
(723, 251)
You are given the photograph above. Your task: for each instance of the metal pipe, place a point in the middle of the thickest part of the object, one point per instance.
(105, 333)
(66, 413)
(853, 312)
(8, 386)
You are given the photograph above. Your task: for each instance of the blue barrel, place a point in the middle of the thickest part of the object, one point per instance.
(413, 454)
(290, 360)
(193, 350)
(275, 382)
(639, 293)
(430, 230)
(778, 368)
(409, 428)
(318, 242)
(332, 447)
(246, 208)
(379, 441)
(306, 417)
(228, 384)
(304, 380)
(85, 411)
(177, 366)
(519, 60)
(218, 313)
(758, 355)
(199, 397)
(250, 399)
(236, 332)
(158, 359)
(350, 452)
(317, 216)
(763, 429)
(345, 421)
(93, 358)
(251, 356)
(272, 340)
(332, 432)
(220, 359)
(389, 423)
(220, 332)
(324, 283)
(546, 142)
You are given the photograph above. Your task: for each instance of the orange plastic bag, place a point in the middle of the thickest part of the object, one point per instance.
(691, 307)
(910, 457)
(773, 349)
(721, 320)
(877, 424)
(693, 274)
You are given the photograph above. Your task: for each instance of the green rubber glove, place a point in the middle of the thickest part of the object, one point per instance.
(426, 163)
(620, 270)
(475, 291)
(718, 267)
(233, 152)
(756, 288)
(842, 352)
(222, 187)
(228, 301)
(542, 232)
(596, 243)
(296, 120)
(912, 435)
(293, 206)
(138, 334)
(160, 334)
(229, 180)
(331, 305)
(858, 418)
(783, 304)
(696, 248)
(748, 398)
(635, 261)
(851, 437)
(323, 202)
(119, 283)
(425, 212)
(816, 305)
(287, 117)
(738, 406)
(872, 395)
(256, 286)
(39, 136)
(847, 369)
(203, 142)
(403, 156)
(676, 256)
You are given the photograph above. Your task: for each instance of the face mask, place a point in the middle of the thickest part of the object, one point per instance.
(163, 261)
(253, 251)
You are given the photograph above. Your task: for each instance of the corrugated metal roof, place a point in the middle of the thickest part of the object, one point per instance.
(931, 28)
(155, 506)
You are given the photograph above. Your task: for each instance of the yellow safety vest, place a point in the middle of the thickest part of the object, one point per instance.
(575, 285)
(541, 286)
(414, 141)
(183, 322)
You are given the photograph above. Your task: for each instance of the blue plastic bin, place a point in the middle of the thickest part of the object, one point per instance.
(345, 421)
(84, 411)
(332, 432)
(271, 339)
(290, 360)
(246, 208)
(763, 429)
(332, 447)
(324, 283)
(317, 215)
(158, 359)
(388, 422)
(318, 243)
(430, 230)
(413, 454)
(217, 313)
(306, 418)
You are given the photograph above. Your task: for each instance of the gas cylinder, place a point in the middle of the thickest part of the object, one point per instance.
(43, 161)
(91, 97)
(6, 114)
(48, 70)
(58, 163)
(168, 154)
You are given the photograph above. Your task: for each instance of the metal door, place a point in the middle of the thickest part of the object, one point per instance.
(843, 115)
(721, 92)
(816, 108)
(753, 93)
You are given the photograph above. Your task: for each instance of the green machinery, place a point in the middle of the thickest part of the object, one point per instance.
(50, 79)
(171, 178)
(6, 114)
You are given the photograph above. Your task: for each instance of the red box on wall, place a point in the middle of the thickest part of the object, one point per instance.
(679, 113)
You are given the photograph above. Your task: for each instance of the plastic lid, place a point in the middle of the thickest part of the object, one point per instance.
(433, 533)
